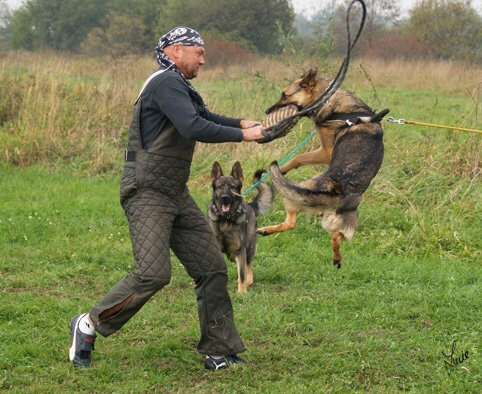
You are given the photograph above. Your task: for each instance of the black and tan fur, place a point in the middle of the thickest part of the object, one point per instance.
(353, 150)
(234, 222)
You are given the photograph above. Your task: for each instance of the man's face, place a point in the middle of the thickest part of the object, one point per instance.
(190, 59)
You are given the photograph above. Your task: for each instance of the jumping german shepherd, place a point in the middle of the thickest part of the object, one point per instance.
(352, 144)
(234, 221)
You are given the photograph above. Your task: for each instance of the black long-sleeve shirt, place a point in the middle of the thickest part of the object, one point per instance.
(166, 99)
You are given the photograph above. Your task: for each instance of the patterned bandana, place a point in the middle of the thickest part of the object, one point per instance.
(181, 35)
(184, 36)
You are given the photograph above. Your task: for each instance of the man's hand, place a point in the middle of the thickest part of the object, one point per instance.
(247, 124)
(253, 133)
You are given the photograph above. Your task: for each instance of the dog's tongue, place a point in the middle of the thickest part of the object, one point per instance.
(226, 207)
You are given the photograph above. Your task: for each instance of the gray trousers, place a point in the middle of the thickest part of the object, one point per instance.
(158, 223)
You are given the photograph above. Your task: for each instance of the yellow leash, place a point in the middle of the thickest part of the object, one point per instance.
(391, 119)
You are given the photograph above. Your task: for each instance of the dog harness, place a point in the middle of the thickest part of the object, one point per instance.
(354, 118)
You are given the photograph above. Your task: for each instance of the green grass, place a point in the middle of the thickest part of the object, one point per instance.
(410, 285)
(378, 325)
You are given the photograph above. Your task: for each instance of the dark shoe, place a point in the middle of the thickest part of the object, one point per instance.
(222, 363)
(81, 345)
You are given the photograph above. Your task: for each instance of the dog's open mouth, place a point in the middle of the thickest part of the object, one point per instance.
(225, 207)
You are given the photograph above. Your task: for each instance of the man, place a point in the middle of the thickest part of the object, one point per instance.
(169, 117)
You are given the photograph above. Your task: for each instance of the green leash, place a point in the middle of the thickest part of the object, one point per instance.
(281, 162)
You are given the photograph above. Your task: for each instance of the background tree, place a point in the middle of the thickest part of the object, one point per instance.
(122, 35)
(451, 28)
(57, 24)
(250, 22)
(381, 16)
(147, 13)
(75, 20)
(5, 24)
(444, 29)
(320, 42)
(66, 24)
(32, 24)
(125, 32)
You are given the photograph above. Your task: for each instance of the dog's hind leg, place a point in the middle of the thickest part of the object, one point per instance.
(336, 238)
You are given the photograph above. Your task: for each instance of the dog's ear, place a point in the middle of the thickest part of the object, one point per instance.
(237, 172)
(216, 172)
(309, 78)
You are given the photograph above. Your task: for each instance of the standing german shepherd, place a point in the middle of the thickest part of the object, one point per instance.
(352, 144)
(234, 221)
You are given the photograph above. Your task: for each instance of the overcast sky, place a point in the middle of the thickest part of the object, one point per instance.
(306, 7)
(309, 7)
(13, 3)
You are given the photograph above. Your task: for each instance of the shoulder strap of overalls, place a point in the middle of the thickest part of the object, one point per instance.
(147, 81)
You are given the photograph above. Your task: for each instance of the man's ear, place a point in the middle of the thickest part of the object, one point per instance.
(177, 49)
(173, 52)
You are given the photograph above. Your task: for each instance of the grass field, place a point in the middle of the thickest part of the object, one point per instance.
(408, 294)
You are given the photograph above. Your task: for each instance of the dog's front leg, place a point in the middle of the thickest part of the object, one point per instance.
(242, 272)
(249, 274)
(336, 238)
(288, 224)
(319, 156)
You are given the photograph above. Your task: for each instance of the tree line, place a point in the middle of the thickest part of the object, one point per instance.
(133, 26)
(441, 29)
(436, 29)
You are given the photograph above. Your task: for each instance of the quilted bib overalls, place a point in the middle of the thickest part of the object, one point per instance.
(163, 216)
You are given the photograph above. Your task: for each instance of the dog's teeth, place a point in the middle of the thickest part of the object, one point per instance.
(280, 114)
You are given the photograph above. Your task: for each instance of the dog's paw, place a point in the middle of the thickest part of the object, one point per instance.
(262, 231)
(337, 263)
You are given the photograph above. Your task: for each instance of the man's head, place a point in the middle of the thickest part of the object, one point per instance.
(185, 48)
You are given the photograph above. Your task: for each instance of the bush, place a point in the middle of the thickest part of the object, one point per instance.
(226, 53)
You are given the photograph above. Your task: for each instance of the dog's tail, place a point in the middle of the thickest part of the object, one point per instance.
(325, 193)
(264, 200)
